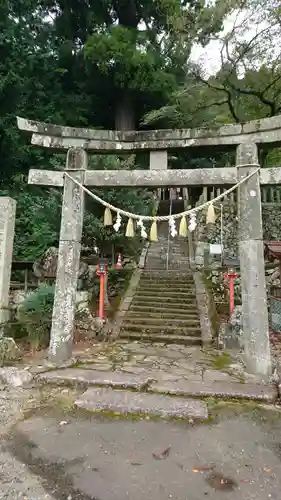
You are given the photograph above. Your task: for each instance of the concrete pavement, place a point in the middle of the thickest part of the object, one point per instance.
(77, 456)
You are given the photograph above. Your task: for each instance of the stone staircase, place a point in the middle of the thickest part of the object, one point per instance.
(175, 248)
(164, 307)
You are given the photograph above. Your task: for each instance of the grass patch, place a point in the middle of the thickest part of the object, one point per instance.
(221, 361)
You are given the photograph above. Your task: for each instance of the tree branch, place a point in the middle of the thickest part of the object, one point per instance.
(259, 94)
(226, 91)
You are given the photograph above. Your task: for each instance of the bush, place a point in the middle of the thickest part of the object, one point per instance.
(35, 316)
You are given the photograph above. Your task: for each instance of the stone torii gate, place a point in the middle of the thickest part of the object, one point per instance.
(77, 142)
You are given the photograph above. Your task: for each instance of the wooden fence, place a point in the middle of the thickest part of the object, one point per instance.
(270, 195)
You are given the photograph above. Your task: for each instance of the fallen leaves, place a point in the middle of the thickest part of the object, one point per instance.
(164, 454)
(203, 468)
(220, 482)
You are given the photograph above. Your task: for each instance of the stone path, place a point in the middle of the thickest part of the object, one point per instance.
(168, 374)
(164, 362)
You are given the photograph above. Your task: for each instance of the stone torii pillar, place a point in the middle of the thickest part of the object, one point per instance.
(251, 251)
(7, 230)
(61, 341)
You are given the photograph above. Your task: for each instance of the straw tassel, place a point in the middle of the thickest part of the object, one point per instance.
(183, 231)
(153, 232)
(211, 215)
(130, 231)
(107, 219)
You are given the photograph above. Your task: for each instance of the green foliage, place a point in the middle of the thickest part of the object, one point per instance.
(129, 59)
(37, 221)
(106, 64)
(39, 211)
(35, 316)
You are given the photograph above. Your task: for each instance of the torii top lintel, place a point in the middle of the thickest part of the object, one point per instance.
(267, 130)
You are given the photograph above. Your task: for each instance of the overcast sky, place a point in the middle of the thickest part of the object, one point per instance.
(210, 56)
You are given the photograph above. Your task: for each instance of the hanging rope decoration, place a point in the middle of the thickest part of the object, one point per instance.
(184, 227)
(211, 214)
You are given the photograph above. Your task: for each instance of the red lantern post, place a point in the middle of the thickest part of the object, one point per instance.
(101, 272)
(231, 276)
(119, 262)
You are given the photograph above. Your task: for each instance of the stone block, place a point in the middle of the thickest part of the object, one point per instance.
(96, 377)
(125, 402)
(8, 349)
(217, 389)
(158, 160)
(15, 377)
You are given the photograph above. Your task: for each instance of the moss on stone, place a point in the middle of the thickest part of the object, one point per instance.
(221, 361)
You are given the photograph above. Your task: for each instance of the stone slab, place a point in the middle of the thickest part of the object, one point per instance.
(217, 389)
(125, 402)
(96, 377)
(15, 377)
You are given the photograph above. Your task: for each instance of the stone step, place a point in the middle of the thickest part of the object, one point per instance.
(171, 280)
(160, 337)
(167, 294)
(147, 321)
(168, 275)
(140, 299)
(163, 258)
(217, 389)
(162, 252)
(165, 288)
(189, 330)
(162, 313)
(174, 283)
(157, 266)
(134, 403)
(163, 306)
(163, 246)
(174, 292)
(91, 377)
(162, 267)
(162, 262)
(173, 263)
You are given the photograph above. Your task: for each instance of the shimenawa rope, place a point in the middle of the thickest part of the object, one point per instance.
(159, 218)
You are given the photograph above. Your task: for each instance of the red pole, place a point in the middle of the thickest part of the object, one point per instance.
(101, 302)
(231, 276)
(231, 294)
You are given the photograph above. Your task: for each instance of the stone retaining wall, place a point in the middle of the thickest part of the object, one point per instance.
(272, 277)
(212, 233)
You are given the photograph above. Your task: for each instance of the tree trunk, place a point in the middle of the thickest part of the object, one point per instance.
(124, 111)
